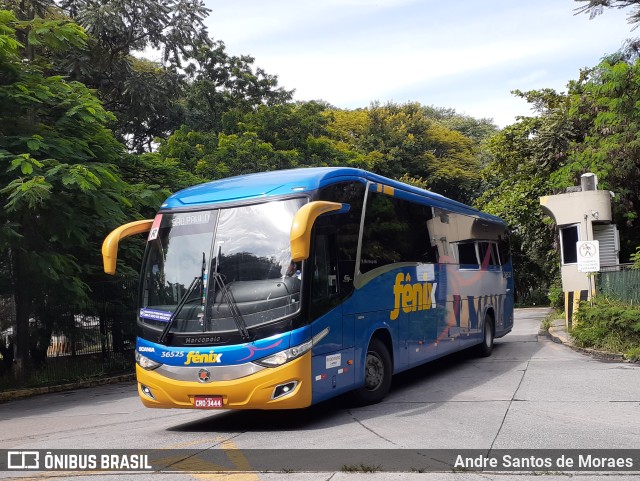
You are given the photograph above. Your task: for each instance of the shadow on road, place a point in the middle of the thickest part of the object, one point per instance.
(424, 386)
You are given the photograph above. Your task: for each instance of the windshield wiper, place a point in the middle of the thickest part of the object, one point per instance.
(218, 279)
(233, 308)
(197, 281)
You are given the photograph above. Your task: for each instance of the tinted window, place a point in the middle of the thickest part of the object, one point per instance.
(345, 229)
(488, 252)
(347, 225)
(248, 273)
(324, 273)
(467, 255)
(395, 230)
(569, 237)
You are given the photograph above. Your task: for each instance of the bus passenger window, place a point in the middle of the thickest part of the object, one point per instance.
(488, 254)
(467, 257)
(346, 227)
(395, 230)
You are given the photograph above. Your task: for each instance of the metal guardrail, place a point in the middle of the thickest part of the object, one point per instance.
(617, 268)
(622, 283)
(70, 343)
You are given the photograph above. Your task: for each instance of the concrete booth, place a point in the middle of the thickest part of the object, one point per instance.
(588, 239)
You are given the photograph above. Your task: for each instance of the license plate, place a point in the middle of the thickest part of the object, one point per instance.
(207, 402)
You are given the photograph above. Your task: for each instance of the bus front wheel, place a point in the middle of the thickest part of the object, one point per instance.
(377, 374)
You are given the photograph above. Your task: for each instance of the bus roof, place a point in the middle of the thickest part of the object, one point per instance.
(277, 183)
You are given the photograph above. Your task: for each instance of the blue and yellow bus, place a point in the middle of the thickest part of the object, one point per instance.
(282, 289)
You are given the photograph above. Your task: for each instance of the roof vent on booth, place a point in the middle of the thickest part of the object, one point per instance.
(589, 181)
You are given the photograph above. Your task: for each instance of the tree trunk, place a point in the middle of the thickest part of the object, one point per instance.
(23, 313)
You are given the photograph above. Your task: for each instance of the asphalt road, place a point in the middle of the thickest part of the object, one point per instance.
(530, 394)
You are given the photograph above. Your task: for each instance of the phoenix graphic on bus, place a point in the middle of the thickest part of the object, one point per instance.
(282, 289)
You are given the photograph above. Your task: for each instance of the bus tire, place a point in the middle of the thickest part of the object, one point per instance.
(488, 335)
(377, 374)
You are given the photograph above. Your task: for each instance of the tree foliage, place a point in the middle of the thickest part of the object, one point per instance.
(142, 94)
(595, 127)
(219, 83)
(194, 81)
(92, 135)
(596, 7)
(515, 182)
(604, 108)
(61, 188)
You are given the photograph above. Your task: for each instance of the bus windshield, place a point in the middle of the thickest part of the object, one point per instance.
(222, 270)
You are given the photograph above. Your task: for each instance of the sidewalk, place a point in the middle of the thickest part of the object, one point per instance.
(28, 392)
(558, 333)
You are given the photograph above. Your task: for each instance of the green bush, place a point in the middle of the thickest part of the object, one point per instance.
(635, 258)
(547, 322)
(633, 354)
(609, 325)
(556, 294)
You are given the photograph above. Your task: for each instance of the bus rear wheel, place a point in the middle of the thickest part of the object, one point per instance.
(377, 374)
(488, 334)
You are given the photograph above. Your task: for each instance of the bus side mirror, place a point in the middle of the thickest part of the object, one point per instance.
(303, 221)
(110, 244)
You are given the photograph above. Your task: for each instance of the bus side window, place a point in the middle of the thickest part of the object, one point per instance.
(395, 230)
(346, 227)
(496, 255)
(488, 254)
(467, 255)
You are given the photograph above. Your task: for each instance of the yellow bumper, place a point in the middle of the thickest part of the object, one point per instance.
(250, 392)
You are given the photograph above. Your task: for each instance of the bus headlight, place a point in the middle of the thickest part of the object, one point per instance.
(146, 363)
(282, 357)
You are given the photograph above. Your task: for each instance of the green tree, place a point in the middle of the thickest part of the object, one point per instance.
(285, 126)
(635, 258)
(604, 109)
(219, 83)
(61, 190)
(142, 94)
(595, 127)
(476, 129)
(402, 141)
(194, 82)
(514, 186)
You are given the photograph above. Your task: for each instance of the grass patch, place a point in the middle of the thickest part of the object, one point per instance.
(633, 354)
(547, 322)
(608, 325)
(360, 468)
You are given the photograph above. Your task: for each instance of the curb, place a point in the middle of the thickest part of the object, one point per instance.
(603, 355)
(28, 392)
(554, 335)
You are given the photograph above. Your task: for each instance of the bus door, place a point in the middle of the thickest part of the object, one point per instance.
(332, 371)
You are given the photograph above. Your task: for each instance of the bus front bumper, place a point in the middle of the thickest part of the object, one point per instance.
(255, 391)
